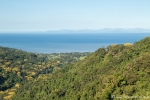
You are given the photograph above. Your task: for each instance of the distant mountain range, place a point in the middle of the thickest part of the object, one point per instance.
(105, 30)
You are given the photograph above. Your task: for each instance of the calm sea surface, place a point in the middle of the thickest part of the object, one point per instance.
(55, 43)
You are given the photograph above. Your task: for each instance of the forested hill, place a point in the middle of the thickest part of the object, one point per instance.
(118, 71)
(18, 67)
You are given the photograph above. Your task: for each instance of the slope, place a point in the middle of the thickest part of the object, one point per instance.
(118, 71)
(18, 67)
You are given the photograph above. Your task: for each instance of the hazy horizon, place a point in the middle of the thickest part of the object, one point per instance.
(104, 30)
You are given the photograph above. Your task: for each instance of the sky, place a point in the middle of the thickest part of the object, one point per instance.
(44, 15)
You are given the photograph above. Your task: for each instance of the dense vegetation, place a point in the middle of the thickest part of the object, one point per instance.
(116, 72)
(18, 67)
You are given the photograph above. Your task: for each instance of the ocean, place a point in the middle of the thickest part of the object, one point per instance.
(62, 43)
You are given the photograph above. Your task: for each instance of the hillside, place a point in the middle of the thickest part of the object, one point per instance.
(18, 67)
(118, 71)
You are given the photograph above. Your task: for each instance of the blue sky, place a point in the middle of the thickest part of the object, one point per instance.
(43, 15)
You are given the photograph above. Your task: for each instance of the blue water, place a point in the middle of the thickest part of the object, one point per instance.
(55, 43)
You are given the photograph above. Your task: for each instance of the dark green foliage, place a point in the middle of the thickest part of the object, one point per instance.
(8, 79)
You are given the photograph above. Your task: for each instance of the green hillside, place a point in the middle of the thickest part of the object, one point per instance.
(113, 73)
(18, 67)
